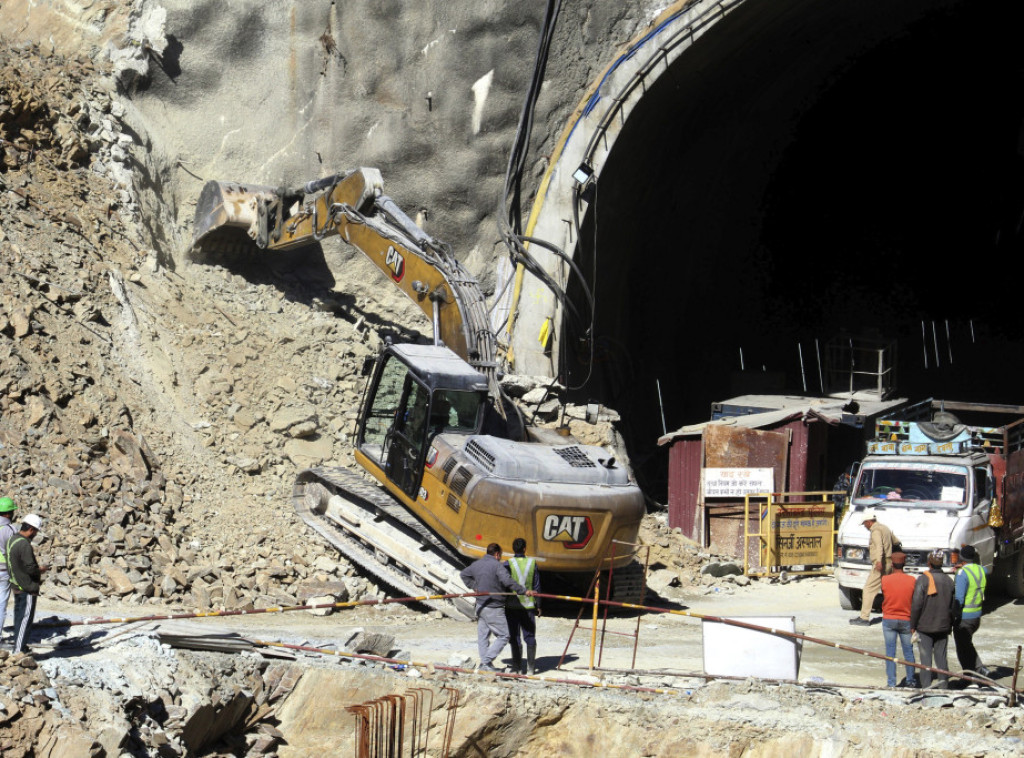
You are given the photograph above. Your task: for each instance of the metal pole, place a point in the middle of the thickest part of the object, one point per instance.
(821, 375)
(949, 343)
(414, 729)
(777, 633)
(924, 344)
(636, 632)
(803, 374)
(853, 366)
(279, 609)
(593, 623)
(661, 406)
(607, 596)
(1013, 686)
(420, 718)
(935, 342)
(449, 726)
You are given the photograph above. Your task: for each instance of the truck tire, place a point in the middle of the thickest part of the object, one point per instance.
(849, 598)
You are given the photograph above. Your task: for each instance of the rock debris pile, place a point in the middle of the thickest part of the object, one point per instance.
(142, 698)
(139, 412)
(678, 566)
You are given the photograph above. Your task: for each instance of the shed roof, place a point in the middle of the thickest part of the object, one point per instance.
(780, 409)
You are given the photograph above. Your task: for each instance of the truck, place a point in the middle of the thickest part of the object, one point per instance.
(940, 484)
(446, 462)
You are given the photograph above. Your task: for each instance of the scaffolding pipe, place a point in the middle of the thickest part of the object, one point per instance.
(779, 633)
(567, 598)
(254, 611)
(734, 678)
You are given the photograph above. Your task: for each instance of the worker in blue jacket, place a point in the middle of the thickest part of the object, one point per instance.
(969, 594)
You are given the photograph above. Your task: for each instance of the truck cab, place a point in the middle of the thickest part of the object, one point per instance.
(934, 485)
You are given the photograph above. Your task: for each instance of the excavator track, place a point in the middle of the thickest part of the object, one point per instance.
(367, 526)
(381, 537)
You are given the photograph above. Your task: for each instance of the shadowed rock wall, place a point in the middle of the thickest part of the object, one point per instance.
(430, 93)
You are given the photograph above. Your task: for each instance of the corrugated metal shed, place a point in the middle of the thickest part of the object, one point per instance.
(809, 428)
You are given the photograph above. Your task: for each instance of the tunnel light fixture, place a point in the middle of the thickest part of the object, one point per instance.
(584, 181)
(583, 175)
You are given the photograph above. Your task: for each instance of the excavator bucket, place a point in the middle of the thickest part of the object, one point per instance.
(227, 217)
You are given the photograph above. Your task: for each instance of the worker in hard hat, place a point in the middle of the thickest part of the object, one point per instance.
(7, 530)
(26, 577)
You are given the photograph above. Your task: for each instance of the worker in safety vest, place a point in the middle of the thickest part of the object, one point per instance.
(7, 530)
(969, 593)
(521, 611)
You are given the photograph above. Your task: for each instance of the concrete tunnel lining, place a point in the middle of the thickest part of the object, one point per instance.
(719, 245)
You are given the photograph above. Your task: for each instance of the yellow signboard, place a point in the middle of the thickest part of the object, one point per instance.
(800, 534)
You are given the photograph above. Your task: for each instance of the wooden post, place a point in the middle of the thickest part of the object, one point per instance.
(1013, 686)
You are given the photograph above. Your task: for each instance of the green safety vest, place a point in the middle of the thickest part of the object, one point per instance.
(3, 554)
(7, 551)
(522, 571)
(975, 587)
(3, 551)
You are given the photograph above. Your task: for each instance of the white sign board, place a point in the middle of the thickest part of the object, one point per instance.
(737, 482)
(738, 651)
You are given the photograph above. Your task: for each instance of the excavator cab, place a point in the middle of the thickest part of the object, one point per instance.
(416, 392)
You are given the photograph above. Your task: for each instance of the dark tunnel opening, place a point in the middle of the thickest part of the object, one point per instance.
(856, 172)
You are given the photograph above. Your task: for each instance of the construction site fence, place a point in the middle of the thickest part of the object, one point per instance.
(971, 677)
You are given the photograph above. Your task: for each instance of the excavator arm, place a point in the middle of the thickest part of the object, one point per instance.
(352, 205)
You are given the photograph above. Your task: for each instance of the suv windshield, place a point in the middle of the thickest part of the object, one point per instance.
(913, 483)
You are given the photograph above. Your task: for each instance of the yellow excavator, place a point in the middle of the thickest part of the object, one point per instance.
(457, 466)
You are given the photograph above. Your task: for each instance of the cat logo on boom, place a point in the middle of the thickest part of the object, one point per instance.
(394, 261)
(574, 532)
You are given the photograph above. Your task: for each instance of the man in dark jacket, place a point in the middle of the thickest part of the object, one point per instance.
(932, 618)
(26, 576)
(489, 574)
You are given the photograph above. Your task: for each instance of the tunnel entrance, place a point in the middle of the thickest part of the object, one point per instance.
(784, 183)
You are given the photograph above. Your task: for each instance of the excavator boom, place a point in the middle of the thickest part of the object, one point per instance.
(352, 205)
